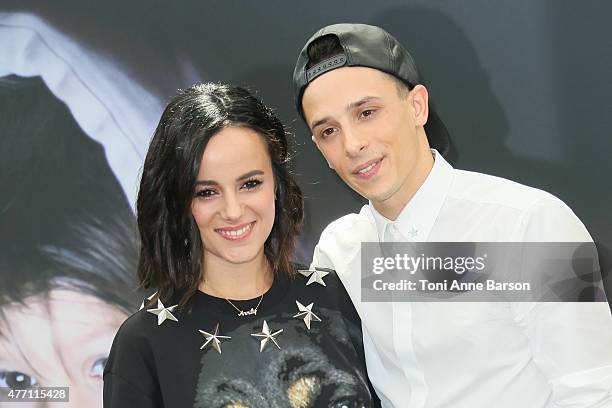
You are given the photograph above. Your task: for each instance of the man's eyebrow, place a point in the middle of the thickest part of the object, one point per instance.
(320, 122)
(349, 107)
(360, 102)
(240, 178)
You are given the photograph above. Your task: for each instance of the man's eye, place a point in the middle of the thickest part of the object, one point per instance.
(97, 368)
(16, 380)
(251, 184)
(327, 132)
(205, 193)
(366, 113)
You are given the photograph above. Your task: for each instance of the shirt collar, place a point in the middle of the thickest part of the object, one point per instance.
(415, 221)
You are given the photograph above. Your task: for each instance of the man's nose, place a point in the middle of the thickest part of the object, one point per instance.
(354, 143)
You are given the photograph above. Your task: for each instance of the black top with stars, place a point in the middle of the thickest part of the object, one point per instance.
(213, 358)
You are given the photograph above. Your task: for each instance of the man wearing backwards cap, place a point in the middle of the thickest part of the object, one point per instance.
(359, 92)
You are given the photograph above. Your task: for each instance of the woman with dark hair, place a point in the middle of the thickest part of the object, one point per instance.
(233, 322)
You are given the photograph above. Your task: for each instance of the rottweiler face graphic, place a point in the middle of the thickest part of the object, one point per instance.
(316, 368)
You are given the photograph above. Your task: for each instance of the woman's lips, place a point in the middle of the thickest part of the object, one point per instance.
(237, 233)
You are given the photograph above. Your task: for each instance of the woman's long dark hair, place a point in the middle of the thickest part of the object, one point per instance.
(171, 252)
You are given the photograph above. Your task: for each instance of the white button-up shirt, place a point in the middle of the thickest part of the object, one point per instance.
(472, 355)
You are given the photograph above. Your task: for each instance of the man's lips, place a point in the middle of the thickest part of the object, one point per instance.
(237, 232)
(368, 169)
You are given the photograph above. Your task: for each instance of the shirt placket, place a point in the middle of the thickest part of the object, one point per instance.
(403, 336)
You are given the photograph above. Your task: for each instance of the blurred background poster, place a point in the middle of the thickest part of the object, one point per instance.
(524, 88)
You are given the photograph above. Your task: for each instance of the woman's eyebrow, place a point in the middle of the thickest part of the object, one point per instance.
(250, 174)
(240, 178)
(206, 183)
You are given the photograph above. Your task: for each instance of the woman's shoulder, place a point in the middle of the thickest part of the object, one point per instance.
(136, 325)
(324, 281)
(132, 351)
(134, 334)
(326, 277)
(129, 373)
(326, 290)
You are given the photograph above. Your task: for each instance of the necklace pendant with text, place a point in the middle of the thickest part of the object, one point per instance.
(248, 312)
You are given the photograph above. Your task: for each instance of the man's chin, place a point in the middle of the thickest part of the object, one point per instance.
(382, 196)
(375, 195)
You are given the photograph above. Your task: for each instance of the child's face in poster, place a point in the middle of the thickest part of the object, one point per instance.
(62, 340)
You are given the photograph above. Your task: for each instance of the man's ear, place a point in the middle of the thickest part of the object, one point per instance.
(419, 98)
(314, 140)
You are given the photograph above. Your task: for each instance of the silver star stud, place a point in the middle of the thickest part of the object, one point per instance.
(306, 312)
(213, 339)
(163, 312)
(315, 275)
(142, 305)
(266, 335)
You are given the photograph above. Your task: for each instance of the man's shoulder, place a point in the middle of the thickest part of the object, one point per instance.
(529, 213)
(354, 225)
(486, 189)
(345, 234)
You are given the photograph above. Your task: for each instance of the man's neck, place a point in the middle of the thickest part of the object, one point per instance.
(393, 206)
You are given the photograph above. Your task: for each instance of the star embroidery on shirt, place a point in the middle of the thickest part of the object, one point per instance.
(145, 300)
(413, 232)
(163, 312)
(214, 339)
(315, 275)
(306, 312)
(266, 335)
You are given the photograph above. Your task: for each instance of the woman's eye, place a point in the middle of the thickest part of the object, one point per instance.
(97, 368)
(251, 184)
(205, 193)
(16, 380)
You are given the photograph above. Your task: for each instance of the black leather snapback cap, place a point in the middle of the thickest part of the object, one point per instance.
(367, 46)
